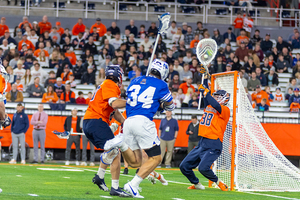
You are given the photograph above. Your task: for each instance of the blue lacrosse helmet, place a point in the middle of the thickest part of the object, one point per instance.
(159, 68)
(115, 71)
(223, 96)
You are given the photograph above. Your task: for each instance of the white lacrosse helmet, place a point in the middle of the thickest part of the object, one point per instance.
(159, 68)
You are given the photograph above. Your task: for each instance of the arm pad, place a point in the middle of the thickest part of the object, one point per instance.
(168, 107)
(111, 100)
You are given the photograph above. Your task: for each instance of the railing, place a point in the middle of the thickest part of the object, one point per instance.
(202, 12)
(179, 113)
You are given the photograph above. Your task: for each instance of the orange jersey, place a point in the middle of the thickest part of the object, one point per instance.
(101, 29)
(192, 44)
(72, 57)
(20, 87)
(65, 79)
(294, 107)
(278, 97)
(21, 25)
(38, 51)
(257, 97)
(2, 84)
(98, 106)
(3, 28)
(67, 96)
(45, 27)
(238, 22)
(87, 100)
(78, 29)
(29, 45)
(213, 124)
(241, 38)
(185, 87)
(74, 123)
(60, 31)
(47, 97)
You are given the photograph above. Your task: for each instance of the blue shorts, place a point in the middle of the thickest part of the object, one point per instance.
(97, 131)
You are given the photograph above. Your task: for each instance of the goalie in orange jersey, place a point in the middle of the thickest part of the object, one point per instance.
(4, 119)
(211, 128)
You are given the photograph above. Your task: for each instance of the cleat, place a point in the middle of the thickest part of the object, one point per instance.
(23, 162)
(198, 186)
(113, 143)
(151, 178)
(67, 163)
(168, 166)
(159, 166)
(92, 164)
(34, 162)
(118, 192)
(125, 171)
(162, 179)
(100, 183)
(12, 161)
(223, 186)
(83, 164)
(77, 163)
(132, 190)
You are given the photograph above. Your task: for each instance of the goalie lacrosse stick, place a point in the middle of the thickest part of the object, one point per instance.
(164, 21)
(206, 51)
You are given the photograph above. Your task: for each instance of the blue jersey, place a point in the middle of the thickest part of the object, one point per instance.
(145, 94)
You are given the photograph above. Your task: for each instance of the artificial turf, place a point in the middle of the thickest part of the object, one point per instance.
(75, 182)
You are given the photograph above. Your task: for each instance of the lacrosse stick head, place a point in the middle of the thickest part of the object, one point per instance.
(164, 21)
(206, 51)
(62, 135)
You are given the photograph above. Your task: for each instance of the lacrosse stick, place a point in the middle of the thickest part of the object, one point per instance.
(206, 51)
(164, 21)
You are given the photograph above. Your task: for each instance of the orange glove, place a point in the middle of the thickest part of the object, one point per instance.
(203, 90)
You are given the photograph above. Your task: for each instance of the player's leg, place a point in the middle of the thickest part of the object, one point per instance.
(190, 162)
(154, 174)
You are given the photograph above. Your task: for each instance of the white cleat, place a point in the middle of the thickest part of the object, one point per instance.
(113, 143)
(77, 163)
(162, 180)
(67, 163)
(23, 162)
(151, 178)
(83, 164)
(92, 164)
(132, 190)
(12, 161)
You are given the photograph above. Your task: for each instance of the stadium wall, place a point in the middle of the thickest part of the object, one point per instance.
(285, 136)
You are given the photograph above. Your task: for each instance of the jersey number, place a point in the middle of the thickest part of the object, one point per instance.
(145, 97)
(206, 119)
(98, 88)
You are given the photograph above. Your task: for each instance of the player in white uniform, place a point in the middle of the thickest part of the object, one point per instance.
(146, 95)
(4, 119)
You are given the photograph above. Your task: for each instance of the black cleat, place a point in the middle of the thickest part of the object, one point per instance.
(34, 162)
(118, 192)
(100, 183)
(125, 171)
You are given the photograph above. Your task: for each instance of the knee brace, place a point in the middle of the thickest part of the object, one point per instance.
(108, 157)
(153, 151)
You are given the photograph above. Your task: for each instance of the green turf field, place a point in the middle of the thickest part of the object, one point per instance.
(72, 182)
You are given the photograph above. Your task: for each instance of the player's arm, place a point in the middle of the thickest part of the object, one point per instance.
(2, 111)
(116, 103)
(119, 117)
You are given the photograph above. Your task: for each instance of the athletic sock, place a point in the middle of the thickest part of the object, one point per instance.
(157, 175)
(101, 173)
(115, 184)
(136, 181)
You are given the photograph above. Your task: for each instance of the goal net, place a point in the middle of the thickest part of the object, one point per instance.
(250, 161)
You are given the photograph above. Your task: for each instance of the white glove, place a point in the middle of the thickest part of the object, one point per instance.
(114, 127)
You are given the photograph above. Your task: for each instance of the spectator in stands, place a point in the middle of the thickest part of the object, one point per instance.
(71, 56)
(94, 34)
(259, 52)
(200, 30)
(51, 80)
(287, 56)
(217, 37)
(13, 62)
(192, 132)
(65, 34)
(27, 42)
(262, 106)
(168, 131)
(4, 45)
(101, 28)
(90, 45)
(172, 30)
(175, 83)
(292, 35)
(3, 26)
(296, 59)
(177, 67)
(65, 76)
(45, 25)
(27, 79)
(178, 36)
(18, 37)
(193, 103)
(67, 96)
(80, 99)
(79, 41)
(88, 77)
(132, 28)
(266, 45)
(292, 84)
(54, 59)
(90, 96)
(188, 84)
(195, 40)
(189, 36)
(288, 94)
(19, 71)
(37, 71)
(50, 96)
(9, 39)
(270, 95)
(282, 65)
(241, 38)
(296, 41)
(79, 27)
(186, 73)
(116, 42)
(67, 45)
(19, 127)
(63, 62)
(259, 94)
(295, 98)
(261, 77)
(241, 52)
(131, 42)
(238, 24)
(14, 95)
(272, 78)
(32, 36)
(142, 33)
(55, 33)
(253, 82)
(35, 90)
(73, 122)
(161, 46)
(101, 76)
(219, 66)
(153, 30)
(19, 84)
(43, 60)
(59, 88)
(278, 96)
(78, 69)
(114, 29)
(188, 58)
(281, 43)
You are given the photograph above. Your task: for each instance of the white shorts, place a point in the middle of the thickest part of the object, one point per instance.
(140, 133)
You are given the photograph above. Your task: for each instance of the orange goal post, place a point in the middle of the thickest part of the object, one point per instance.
(249, 161)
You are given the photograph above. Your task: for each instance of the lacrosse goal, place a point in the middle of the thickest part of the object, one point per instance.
(250, 161)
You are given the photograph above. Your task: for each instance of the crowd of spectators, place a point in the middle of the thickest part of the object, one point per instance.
(40, 45)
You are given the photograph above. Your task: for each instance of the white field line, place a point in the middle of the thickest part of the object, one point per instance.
(269, 195)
